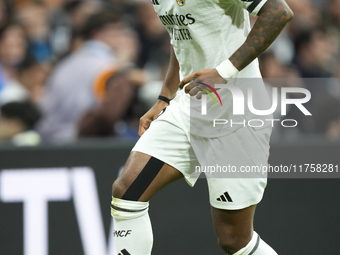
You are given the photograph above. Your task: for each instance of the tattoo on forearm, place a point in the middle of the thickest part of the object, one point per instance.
(271, 20)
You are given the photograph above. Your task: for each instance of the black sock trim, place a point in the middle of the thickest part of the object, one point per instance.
(256, 245)
(126, 210)
(143, 180)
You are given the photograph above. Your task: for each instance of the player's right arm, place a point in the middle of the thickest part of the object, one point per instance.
(170, 86)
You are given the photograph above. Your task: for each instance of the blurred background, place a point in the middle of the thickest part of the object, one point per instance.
(76, 76)
(75, 69)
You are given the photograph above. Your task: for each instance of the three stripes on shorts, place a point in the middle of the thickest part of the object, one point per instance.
(225, 198)
(124, 252)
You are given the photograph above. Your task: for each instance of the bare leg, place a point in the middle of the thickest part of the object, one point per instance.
(134, 165)
(234, 228)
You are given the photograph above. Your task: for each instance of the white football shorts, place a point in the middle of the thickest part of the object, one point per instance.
(226, 161)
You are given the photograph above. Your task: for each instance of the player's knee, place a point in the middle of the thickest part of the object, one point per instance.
(118, 188)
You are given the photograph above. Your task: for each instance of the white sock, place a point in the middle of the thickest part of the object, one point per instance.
(256, 246)
(132, 227)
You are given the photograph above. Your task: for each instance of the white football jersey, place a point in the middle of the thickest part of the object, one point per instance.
(203, 34)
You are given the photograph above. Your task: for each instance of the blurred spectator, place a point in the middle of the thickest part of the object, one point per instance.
(28, 83)
(314, 59)
(283, 48)
(6, 12)
(332, 21)
(333, 14)
(13, 49)
(110, 44)
(116, 94)
(153, 36)
(32, 76)
(306, 17)
(66, 24)
(34, 17)
(155, 50)
(315, 54)
(17, 121)
(270, 66)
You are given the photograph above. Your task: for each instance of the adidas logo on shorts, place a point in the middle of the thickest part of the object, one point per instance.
(225, 198)
(124, 252)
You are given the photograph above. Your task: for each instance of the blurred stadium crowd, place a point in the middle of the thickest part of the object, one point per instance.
(71, 69)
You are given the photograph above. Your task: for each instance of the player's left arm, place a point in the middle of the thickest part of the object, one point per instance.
(272, 18)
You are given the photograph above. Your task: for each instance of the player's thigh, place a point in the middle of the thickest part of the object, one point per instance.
(135, 164)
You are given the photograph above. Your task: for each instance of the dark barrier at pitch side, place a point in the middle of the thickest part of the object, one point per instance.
(296, 216)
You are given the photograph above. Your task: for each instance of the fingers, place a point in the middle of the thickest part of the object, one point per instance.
(141, 130)
(201, 82)
(199, 96)
(186, 80)
(143, 126)
(196, 87)
(193, 89)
